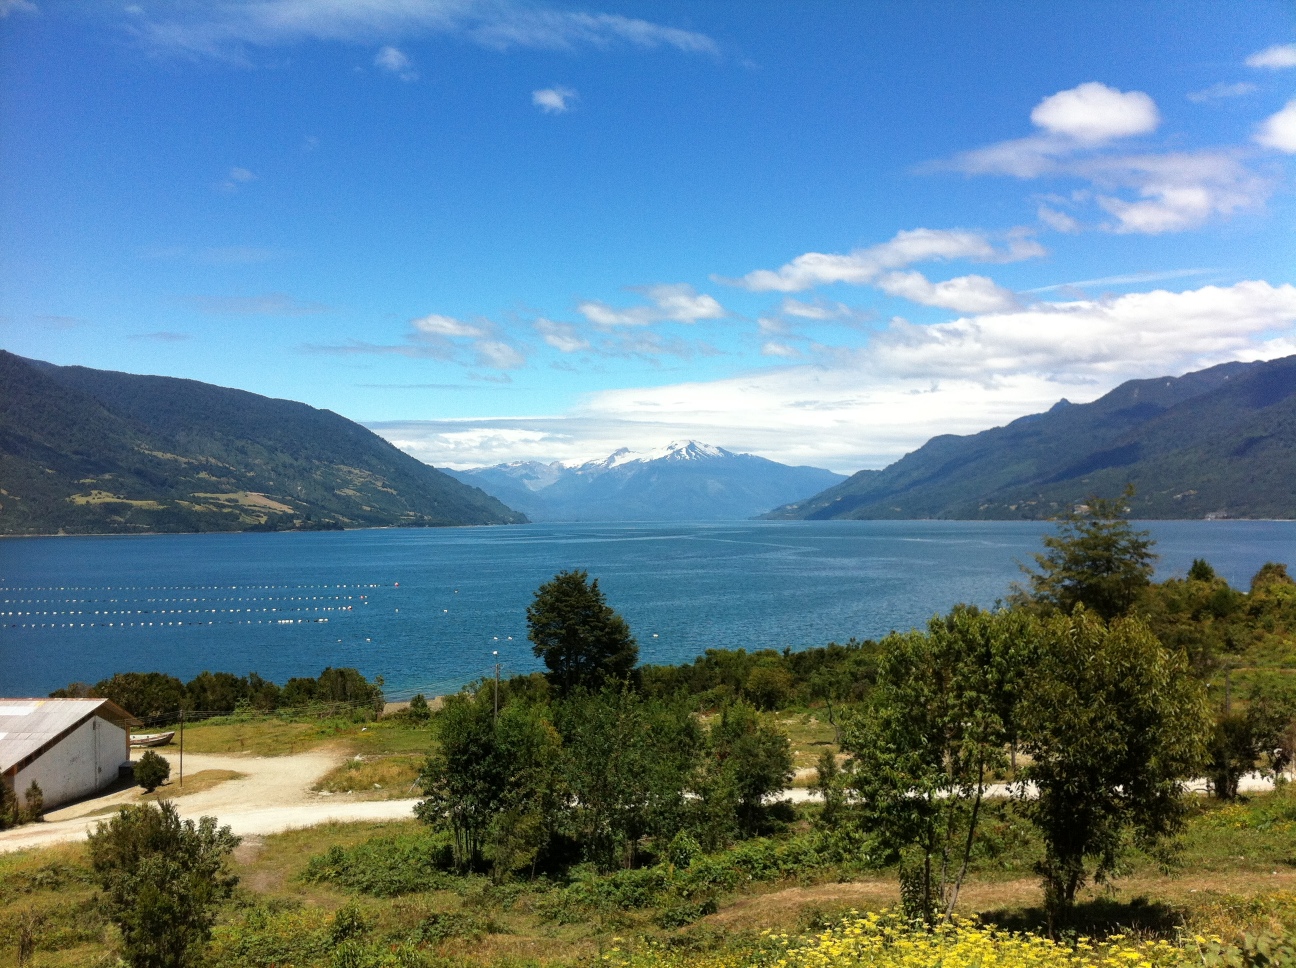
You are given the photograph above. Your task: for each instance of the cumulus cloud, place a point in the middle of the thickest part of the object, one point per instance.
(1279, 130)
(226, 30)
(864, 266)
(1169, 192)
(1221, 91)
(554, 100)
(396, 61)
(867, 407)
(1093, 113)
(236, 178)
(964, 294)
(1275, 58)
(668, 302)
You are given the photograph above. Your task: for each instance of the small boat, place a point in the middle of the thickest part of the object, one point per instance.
(152, 739)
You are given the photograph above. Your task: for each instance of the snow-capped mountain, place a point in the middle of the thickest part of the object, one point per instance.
(685, 481)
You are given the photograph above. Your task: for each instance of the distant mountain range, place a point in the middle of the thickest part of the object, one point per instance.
(686, 481)
(1216, 443)
(87, 451)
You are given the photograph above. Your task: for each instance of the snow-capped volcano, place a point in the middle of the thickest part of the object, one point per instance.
(684, 481)
(675, 450)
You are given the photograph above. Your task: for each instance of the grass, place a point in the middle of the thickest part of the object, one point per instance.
(287, 732)
(193, 783)
(386, 777)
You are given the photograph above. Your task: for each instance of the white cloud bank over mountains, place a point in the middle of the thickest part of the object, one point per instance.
(868, 406)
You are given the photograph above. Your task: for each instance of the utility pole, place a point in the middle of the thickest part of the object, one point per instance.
(181, 747)
(497, 672)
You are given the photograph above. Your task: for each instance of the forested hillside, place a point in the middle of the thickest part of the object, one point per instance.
(1219, 442)
(87, 451)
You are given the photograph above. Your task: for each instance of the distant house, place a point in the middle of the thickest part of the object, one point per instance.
(69, 747)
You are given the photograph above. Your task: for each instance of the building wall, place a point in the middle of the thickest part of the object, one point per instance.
(83, 762)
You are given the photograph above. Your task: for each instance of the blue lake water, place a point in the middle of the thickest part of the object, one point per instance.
(427, 608)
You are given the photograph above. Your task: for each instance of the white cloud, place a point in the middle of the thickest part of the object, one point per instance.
(237, 178)
(396, 61)
(439, 337)
(498, 355)
(1221, 91)
(437, 325)
(561, 336)
(1058, 221)
(1169, 192)
(1277, 57)
(1279, 130)
(870, 406)
(223, 30)
(670, 302)
(1093, 113)
(773, 348)
(863, 266)
(17, 6)
(554, 100)
(964, 294)
(1176, 191)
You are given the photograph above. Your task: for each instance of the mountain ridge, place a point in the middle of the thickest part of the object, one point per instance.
(88, 451)
(1219, 442)
(684, 481)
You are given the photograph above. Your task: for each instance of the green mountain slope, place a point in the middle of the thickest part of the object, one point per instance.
(92, 451)
(1219, 442)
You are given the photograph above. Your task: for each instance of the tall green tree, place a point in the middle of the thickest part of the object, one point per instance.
(486, 767)
(1114, 724)
(940, 719)
(582, 641)
(162, 879)
(628, 759)
(1096, 559)
(745, 760)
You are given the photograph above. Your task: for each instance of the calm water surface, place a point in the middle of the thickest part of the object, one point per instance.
(426, 608)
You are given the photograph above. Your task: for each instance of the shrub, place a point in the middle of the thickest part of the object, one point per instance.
(151, 771)
(34, 803)
(385, 866)
(162, 879)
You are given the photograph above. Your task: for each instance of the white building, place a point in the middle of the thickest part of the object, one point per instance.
(69, 747)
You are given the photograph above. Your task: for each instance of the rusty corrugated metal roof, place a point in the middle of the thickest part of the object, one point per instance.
(28, 724)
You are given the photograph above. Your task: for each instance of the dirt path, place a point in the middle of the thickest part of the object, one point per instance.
(273, 795)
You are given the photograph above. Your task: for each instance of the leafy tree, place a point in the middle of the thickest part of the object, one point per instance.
(627, 763)
(418, 709)
(582, 641)
(8, 806)
(489, 768)
(941, 717)
(768, 686)
(151, 771)
(1096, 559)
(148, 695)
(162, 879)
(216, 691)
(1113, 723)
(753, 760)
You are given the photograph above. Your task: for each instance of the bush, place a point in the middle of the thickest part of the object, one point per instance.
(162, 879)
(151, 771)
(385, 866)
(34, 803)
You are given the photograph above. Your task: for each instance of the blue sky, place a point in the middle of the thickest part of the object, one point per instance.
(498, 230)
